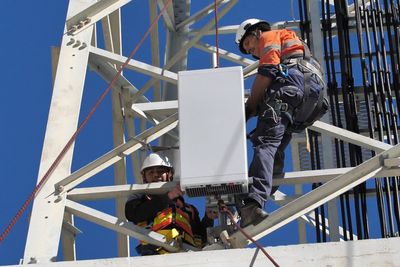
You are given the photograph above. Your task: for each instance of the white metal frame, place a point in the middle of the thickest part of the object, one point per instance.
(56, 204)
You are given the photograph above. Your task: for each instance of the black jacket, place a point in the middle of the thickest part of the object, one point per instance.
(144, 208)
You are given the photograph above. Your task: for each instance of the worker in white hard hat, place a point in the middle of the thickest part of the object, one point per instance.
(287, 95)
(157, 168)
(168, 213)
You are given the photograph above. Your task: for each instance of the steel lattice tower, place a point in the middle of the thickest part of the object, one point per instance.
(146, 114)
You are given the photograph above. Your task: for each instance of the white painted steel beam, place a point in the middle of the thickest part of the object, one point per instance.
(311, 220)
(118, 191)
(67, 239)
(200, 14)
(118, 225)
(250, 69)
(325, 175)
(349, 137)
(195, 39)
(117, 154)
(111, 26)
(285, 199)
(351, 8)
(79, 21)
(174, 42)
(107, 71)
(135, 156)
(317, 197)
(47, 214)
(171, 61)
(108, 192)
(231, 29)
(135, 65)
(140, 114)
(155, 47)
(154, 112)
(224, 54)
(69, 232)
(291, 178)
(158, 109)
(308, 177)
(168, 16)
(392, 162)
(282, 199)
(383, 252)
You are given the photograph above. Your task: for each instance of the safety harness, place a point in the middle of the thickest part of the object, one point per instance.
(174, 224)
(309, 111)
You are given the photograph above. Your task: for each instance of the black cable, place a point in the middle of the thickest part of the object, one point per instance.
(332, 87)
(367, 103)
(391, 19)
(379, 118)
(314, 186)
(383, 91)
(314, 136)
(349, 103)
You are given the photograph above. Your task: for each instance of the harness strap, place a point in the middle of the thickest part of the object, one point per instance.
(317, 110)
(307, 53)
(309, 110)
(304, 109)
(307, 66)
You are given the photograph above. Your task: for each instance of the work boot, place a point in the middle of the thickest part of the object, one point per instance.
(251, 213)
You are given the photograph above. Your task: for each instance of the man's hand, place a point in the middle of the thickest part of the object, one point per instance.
(212, 214)
(175, 192)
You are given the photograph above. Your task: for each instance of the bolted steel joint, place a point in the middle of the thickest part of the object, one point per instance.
(71, 41)
(83, 46)
(77, 44)
(72, 29)
(60, 188)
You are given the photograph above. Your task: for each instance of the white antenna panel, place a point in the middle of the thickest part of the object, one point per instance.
(212, 132)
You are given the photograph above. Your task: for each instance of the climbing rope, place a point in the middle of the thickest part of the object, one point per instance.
(216, 31)
(223, 208)
(73, 137)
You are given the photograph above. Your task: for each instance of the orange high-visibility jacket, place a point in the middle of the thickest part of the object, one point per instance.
(278, 45)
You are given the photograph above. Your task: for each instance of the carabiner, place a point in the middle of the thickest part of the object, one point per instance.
(284, 70)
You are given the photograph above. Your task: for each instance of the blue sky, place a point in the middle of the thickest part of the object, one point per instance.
(29, 30)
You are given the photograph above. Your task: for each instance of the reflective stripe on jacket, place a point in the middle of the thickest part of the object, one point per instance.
(173, 223)
(172, 217)
(278, 45)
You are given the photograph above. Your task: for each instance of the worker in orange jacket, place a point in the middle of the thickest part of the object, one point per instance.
(168, 213)
(288, 94)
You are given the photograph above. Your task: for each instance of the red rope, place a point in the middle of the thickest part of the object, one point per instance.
(216, 30)
(73, 137)
(223, 208)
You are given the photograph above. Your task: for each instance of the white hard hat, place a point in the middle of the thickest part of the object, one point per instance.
(155, 159)
(245, 28)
